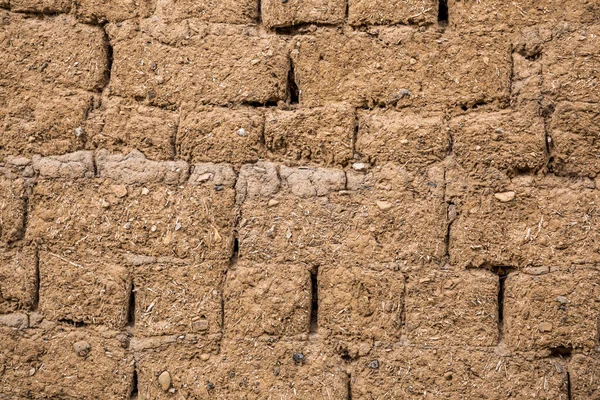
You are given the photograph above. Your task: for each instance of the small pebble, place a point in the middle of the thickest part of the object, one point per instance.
(145, 191)
(127, 226)
(241, 132)
(505, 197)
(164, 379)
(204, 356)
(218, 188)
(210, 386)
(358, 166)
(545, 327)
(78, 131)
(448, 376)
(82, 348)
(298, 357)
(273, 203)
(119, 190)
(384, 205)
(561, 299)
(200, 325)
(177, 226)
(374, 364)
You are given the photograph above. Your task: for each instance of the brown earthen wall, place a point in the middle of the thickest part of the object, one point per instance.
(299, 199)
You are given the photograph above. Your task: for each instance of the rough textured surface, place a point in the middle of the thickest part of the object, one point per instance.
(211, 64)
(299, 199)
(381, 12)
(278, 14)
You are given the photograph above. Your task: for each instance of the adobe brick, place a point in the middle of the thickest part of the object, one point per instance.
(401, 66)
(584, 380)
(553, 310)
(43, 362)
(122, 125)
(410, 372)
(525, 222)
(322, 135)
(43, 6)
(381, 12)
(361, 302)
(504, 16)
(574, 129)
(84, 288)
(53, 50)
(100, 11)
(229, 12)
(192, 221)
(569, 71)
(508, 141)
(174, 296)
(219, 134)
(278, 14)
(405, 137)
(314, 215)
(212, 64)
(12, 209)
(446, 307)
(267, 299)
(46, 121)
(18, 280)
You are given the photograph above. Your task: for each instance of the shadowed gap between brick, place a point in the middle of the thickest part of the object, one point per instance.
(36, 295)
(76, 324)
(134, 384)
(314, 306)
(568, 385)
(293, 92)
(349, 387)
(502, 273)
(131, 307)
(443, 12)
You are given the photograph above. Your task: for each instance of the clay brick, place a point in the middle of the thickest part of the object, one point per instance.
(363, 303)
(188, 360)
(401, 65)
(218, 134)
(134, 168)
(405, 137)
(574, 130)
(44, 364)
(84, 288)
(230, 12)
(100, 11)
(502, 15)
(43, 6)
(267, 299)
(193, 221)
(278, 14)
(550, 221)
(380, 12)
(53, 50)
(43, 121)
(12, 209)
(18, 279)
(122, 125)
(553, 310)
(452, 308)
(584, 379)
(211, 64)
(314, 216)
(174, 296)
(250, 370)
(510, 141)
(69, 166)
(411, 373)
(319, 135)
(570, 71)
(264, 370)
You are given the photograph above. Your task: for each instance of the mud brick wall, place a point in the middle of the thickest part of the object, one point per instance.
(299, 199)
